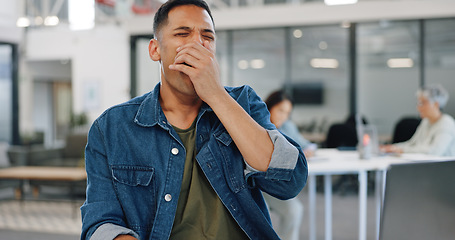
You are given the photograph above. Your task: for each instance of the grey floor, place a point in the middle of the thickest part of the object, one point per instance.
(345, 217)
(15, 235)
(345, 221)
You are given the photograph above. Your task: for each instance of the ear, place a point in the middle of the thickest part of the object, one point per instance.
(154, 50)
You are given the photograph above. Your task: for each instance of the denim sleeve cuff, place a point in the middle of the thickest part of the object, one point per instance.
(109, 231)
(284, 154)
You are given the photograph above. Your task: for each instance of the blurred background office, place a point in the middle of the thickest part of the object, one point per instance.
(61, 59)
(63, 62)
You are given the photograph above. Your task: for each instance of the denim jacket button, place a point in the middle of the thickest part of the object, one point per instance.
(175, 151)
(168, 197)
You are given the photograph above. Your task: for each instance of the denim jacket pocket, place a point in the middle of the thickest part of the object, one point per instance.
(133, 175)
(135, 189)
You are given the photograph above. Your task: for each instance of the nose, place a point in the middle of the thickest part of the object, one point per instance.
(197, 37)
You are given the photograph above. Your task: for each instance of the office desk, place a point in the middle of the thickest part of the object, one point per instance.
(328, 162)
(44, 173)
(68, 174)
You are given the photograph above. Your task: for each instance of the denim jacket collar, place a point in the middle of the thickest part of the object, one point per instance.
(150, 112)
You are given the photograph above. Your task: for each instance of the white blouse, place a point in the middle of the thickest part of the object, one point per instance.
(434, 139)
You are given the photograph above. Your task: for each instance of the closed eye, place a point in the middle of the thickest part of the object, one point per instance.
(209, 37)
(181, 34)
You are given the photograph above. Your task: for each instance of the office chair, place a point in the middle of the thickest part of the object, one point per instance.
(405, 128)
(344, 136)
(341, 135)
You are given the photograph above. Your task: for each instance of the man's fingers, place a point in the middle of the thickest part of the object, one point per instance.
(194, 55)
(187, 60)
(198, 50)
(210, 46)
(184, 68)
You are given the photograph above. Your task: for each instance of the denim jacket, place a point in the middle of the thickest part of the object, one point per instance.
(135, 162)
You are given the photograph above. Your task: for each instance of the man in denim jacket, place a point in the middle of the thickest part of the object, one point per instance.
(189, 159)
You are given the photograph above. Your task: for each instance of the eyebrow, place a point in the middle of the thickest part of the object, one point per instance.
(207, 30)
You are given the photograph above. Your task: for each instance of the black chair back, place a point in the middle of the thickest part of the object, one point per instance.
(405, 128)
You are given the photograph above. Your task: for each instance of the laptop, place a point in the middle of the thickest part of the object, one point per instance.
(419, 202)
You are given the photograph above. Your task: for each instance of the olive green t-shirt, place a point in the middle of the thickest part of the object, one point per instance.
(200, 213)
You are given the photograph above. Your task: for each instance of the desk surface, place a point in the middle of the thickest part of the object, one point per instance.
(44, 173)
(333, 161)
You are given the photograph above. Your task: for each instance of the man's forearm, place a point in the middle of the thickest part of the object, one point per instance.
(251, 138)
(125, 237)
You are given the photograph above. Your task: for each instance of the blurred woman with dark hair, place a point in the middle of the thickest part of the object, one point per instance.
(280, 107)
(290, 212)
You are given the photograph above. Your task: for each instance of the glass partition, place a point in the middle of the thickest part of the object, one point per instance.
(313, 64)
(387, 71)
(224, 56)
(259, 59)
(440, 57)
(6, 90)
(319, 61)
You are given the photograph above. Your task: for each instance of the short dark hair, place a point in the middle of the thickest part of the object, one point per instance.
(161, 16)
(276, 97)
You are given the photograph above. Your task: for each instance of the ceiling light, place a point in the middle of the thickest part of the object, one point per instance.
(257, 63)
(400, 63)
(38, 20)
(23, 22)
(81, 14)
(339, 2)
(345, 24)
(242, 64)
(51, 21)
(324, 63)
(297, 33)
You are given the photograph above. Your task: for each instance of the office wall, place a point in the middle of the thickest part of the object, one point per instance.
(42, 111)
(314, 13)
(100, 64)
(147, 71)
(100, 57)
(8, 16)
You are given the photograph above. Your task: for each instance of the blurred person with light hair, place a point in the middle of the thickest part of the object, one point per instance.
(435, 135)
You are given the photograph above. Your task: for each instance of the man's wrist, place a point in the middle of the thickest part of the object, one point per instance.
(217, 100)
(125, 237)
(112, 231)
